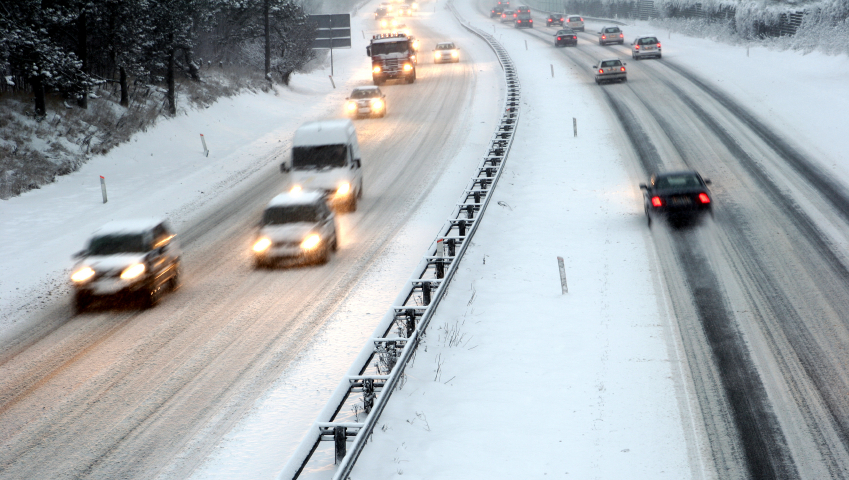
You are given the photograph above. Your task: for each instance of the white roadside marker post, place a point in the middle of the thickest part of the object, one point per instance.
(203, 141)
(526, 44)
(440, 252)
(103, 188)
(552, 70)
(575, 126)
(563, 286)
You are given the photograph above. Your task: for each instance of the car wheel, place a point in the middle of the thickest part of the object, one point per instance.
(597, 81)
(150, 297)
(81, 302)
(174, 283)
(648, 219)
(624, 79)
(659, 57)
(334, 245)
(621, 43)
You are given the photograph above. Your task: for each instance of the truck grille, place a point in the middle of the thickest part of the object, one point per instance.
(392, 65)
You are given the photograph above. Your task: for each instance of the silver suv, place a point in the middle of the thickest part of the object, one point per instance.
(646, 46)
(610, 35)
(297, 225)
(131, 259)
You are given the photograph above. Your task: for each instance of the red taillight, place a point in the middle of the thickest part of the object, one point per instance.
(520, 21)
(636, 47)
(621, 35)
(561, 19)
(582, 19)
(622, 68)
(656, 202)
(558, 38)
(574, 37)
(568, 20)
(531, 20)
(603, 37)
(600, 71)
(658, 46)
(703, 197)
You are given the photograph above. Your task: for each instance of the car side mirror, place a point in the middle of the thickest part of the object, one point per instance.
(595, 66)
(284, 168)
(357, 163)
(623, 63)
(643, 186)
(707, 181)
(79, 255)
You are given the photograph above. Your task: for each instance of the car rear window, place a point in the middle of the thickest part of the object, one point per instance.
(611, 63)
(611, 30)
(574, 19)
(677, 181)
(290, 214)
(648, 41)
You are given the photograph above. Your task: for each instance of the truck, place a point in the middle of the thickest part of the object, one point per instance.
(392, 57)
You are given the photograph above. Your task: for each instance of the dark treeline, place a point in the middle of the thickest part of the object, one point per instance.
(69, 46)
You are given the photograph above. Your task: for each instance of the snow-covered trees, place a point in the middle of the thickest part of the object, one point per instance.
(66, 46)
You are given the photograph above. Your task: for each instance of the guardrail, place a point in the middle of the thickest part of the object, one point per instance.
(379, 368)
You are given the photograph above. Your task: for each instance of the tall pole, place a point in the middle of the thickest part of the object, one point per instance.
(331, 45)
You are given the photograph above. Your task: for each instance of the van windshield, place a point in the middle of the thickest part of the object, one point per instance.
(385, 48)
(319, 157)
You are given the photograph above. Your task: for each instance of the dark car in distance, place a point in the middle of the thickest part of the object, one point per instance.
(679, 196)
(565, 37)
(523, 20)
(554, 19)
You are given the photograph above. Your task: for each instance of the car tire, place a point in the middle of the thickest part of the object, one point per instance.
(648, 219)
(622, 43)
(334, 245)
(81, 302)
(624, 79)
(174, 282)
(659, 57)
(597, 81)
(150, 297)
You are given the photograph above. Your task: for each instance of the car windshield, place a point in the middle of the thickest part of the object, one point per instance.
(648, 41)
(611, 30)
(118, 243)
(678, 181)
(384, 48)
(290, 214)
(319, 157)
(365, 93)
(445, 46)
(611, 63)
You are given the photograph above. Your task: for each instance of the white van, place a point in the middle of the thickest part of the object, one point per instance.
(326, 157)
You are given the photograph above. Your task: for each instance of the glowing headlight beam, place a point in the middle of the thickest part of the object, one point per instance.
(82, 274)
(377, 105)
(295, 189)
(352, 106)
(262, 245)
(132, 271)
(343, 189)
(311, 242)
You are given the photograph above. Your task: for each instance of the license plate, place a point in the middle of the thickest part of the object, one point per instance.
(365, 110)
(682, 201)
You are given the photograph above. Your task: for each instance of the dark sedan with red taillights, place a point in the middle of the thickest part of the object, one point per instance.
(680, 195)
(565, 37)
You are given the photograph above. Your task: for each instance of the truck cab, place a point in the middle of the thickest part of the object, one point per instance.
(392, 57)
(326, 157)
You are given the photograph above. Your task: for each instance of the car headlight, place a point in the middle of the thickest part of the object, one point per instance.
(262, 245)
(394, 23)
(384, 23)
(311, 242)
(436, 56)
(344, 188)
(377, 105)
(415, 6)
(454, 54)
(407, 67)
(295, 189)
(132, 271)
(82, 274)
(352, 106)
(376, 69)
(415, 44)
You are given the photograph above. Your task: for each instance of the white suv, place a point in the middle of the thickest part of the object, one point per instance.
(575, 22)
(295, 225)
(610, 35)
(646, 46)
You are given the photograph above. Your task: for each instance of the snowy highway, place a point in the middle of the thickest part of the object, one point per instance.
(710, 351)
(83, 396)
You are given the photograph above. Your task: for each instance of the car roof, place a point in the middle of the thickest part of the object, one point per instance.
(367, 88)
(445, 43)
(303, 197)
(608, 59)
(646, 36)
(137, 225)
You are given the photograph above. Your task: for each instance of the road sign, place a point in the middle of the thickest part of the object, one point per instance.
(332, 31)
